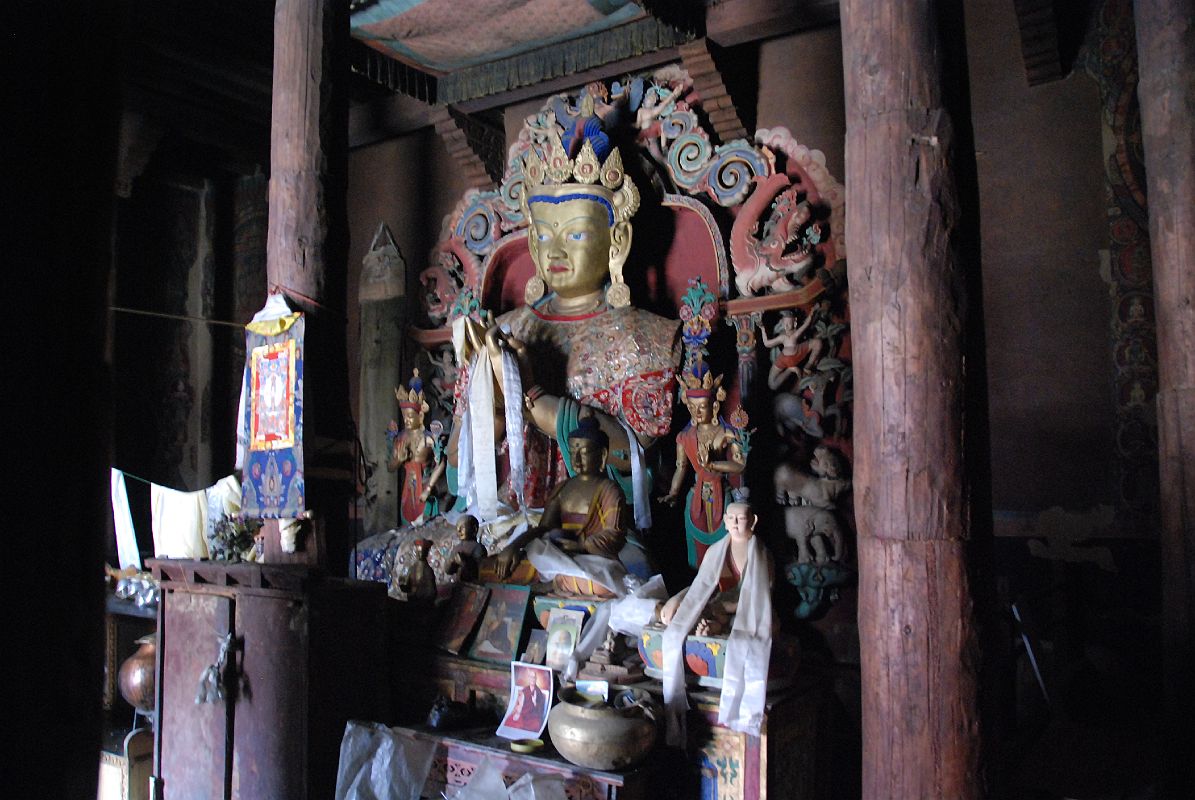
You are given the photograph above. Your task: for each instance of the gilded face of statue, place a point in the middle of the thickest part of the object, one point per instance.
(466, 528)
(701, 409)
(412, 418)
(588, 456)
(739, 520)
(571, 245)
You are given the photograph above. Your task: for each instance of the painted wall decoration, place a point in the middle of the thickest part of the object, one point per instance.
(1132, 333)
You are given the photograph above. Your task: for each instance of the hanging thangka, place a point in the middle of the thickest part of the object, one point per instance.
(273, 469)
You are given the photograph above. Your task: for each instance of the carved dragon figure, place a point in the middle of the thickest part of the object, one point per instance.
(761, 264)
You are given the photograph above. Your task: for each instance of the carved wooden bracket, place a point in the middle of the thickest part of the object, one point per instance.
(476, 147)
(139, 137)
(1039, 40)
(698, 60)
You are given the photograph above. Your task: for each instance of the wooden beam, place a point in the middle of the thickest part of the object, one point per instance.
(476, 148)
(919, 656)
(733, 22)
(614, 69)
(386, 118)
(1166, 64)
(698, 59)
(298, 223)
(306, 243)
(1039, 40)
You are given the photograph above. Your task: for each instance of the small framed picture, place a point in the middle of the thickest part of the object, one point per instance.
(531, 691)
(564, 631)
(537, 647)
(460, 616)
(502, 626)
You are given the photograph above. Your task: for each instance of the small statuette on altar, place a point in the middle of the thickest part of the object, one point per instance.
(613, 662)
(468, 553)
(420, 582)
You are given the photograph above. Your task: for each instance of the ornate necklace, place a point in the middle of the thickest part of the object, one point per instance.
(575, 312)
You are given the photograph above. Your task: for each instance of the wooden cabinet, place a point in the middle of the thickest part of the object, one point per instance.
(785, 761)
(307, 655)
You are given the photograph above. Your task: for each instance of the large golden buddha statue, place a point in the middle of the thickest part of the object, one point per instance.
(577, 341)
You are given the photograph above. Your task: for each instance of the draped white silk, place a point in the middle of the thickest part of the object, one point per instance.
(640, 482)
(748, 649)
(512, 391)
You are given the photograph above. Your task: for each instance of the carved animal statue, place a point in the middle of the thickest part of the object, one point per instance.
(761, 264)
(810, 500)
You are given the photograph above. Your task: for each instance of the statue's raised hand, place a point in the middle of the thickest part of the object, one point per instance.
(498, 340)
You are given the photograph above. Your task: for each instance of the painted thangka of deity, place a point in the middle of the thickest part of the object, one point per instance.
(272, 485)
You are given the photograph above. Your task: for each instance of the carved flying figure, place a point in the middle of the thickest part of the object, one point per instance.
(761, 264)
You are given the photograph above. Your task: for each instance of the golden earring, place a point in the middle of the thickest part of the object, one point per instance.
(534, 289)
(618, 295)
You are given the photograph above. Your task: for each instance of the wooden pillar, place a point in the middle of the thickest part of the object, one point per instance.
(306, 253)
(298, 228)
(1166, 58)
(918, 643)
(57, 245)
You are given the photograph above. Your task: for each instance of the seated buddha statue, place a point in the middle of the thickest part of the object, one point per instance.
(585, 516)
(577, 341)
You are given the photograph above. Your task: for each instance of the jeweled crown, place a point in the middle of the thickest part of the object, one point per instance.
(555, 168)
(700, 381)
(413, 397)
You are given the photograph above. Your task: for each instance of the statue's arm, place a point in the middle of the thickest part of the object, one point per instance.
(545, 408)
(434, 477)
(678, 479)
(396, 458)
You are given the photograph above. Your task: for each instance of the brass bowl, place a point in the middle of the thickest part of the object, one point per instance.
(596, 735)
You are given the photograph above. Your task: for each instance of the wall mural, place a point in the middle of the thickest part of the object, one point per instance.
(1113, 64)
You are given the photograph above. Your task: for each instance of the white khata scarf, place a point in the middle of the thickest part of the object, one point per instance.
(477, 460)
(745, 675)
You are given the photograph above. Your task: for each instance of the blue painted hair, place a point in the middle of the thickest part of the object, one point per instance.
(564, 198)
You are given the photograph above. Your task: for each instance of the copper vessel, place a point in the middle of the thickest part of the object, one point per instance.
(136, 676)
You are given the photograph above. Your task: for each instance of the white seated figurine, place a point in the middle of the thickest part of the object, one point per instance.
(735, 579)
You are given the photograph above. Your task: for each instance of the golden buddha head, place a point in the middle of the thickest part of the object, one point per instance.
(579, 212)
(466, 528)
(588, 447)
